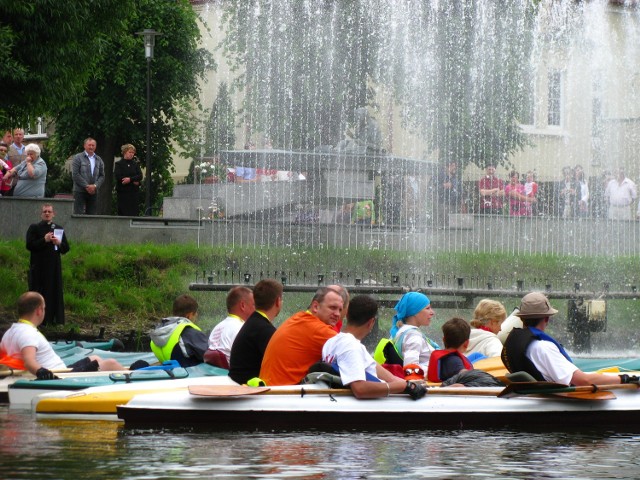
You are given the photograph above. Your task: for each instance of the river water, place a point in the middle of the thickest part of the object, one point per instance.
(65, 449)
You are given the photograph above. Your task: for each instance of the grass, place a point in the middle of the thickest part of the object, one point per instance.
(130, 287)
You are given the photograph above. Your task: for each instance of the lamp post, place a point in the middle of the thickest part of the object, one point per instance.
(149, 42)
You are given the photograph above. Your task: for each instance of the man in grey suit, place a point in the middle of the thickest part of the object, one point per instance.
(88, 175)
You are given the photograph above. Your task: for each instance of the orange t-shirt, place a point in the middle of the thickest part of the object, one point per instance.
(293, 348)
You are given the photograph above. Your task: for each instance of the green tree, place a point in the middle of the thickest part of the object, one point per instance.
(220, 133)
(306, 67)
(113, 109)
(481, 55)
(49, 51)
(455, 69)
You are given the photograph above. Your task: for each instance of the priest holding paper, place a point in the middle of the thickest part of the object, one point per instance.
(47, 241)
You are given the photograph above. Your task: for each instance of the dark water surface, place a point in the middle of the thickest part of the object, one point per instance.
(64, 449)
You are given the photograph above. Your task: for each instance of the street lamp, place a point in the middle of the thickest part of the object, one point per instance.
(149, 42)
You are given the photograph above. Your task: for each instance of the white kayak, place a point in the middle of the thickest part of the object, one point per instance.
(314, 407)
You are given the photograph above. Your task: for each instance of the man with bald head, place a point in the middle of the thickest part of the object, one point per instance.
(297, 344)
(344, 293)
(24, 347)
(240, 306)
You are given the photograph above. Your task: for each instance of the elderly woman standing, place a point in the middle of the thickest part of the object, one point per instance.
(31, 174)
(487, 320)
(413, 311)
(128, 177)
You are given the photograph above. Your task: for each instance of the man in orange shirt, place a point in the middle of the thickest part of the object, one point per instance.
(297, 344)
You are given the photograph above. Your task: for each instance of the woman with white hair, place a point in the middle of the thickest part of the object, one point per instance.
(487, 320)
(31, 174)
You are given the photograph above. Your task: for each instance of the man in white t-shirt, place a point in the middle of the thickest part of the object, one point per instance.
(240, 306)
(621, 193)
(24, 347)
(531, 350)
(358, 370)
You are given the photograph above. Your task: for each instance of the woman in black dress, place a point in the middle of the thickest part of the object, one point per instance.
(128, 178)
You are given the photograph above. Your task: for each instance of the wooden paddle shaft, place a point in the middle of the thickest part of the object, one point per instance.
(542, 388)
(617, 386)
(242, 390)
(345, 391)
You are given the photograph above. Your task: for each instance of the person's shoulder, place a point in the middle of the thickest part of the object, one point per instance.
(228, 322)
(340, 340)
(543, 347)
(301, 316)
(481, 334)
(409, 330)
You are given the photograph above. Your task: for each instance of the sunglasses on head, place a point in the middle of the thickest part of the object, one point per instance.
(411, 371)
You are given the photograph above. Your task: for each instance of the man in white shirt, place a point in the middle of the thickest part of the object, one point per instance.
(24, 347)
(358, 370)
(240, 306)
(621, 193)
(531, 350)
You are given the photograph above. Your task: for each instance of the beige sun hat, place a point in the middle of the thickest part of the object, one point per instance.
(535, 304)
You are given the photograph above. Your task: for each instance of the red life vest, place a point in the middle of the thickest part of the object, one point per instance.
(433, 373)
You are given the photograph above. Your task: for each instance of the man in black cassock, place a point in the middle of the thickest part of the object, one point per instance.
(45, 267)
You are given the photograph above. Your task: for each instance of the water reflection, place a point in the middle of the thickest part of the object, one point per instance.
(72, 449)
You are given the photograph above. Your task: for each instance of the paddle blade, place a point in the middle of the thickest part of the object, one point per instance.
(225, 390)
(531, 388)
(599, 395)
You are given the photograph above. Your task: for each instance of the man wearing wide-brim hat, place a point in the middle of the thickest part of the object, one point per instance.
(531, 350)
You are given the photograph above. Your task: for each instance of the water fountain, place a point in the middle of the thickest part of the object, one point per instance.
(525, 85)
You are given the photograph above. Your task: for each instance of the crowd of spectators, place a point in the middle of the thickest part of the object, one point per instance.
(608, 195)
(23, 172)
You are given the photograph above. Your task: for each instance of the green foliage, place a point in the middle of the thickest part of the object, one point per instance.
(456, 70)
(58, 175)
(468, 104)
(129, 287)
(113, 110)
(220, 131)
(307, 67)
(49, 52)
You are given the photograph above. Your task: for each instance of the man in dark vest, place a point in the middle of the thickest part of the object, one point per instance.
(531, 350)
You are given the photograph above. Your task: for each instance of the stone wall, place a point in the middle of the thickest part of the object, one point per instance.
(466, 233)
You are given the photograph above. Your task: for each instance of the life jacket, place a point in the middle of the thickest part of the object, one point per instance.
(166, 337)
(433, 372)
(11, 362)
(399, 339)
(387, 355)
(386, 352)
(514, 352)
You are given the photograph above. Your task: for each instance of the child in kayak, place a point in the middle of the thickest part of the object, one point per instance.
(444, 364)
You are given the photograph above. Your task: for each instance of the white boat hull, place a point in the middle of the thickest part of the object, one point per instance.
(329, 412)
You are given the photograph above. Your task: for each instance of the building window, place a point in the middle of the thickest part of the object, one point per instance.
(554, 110)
